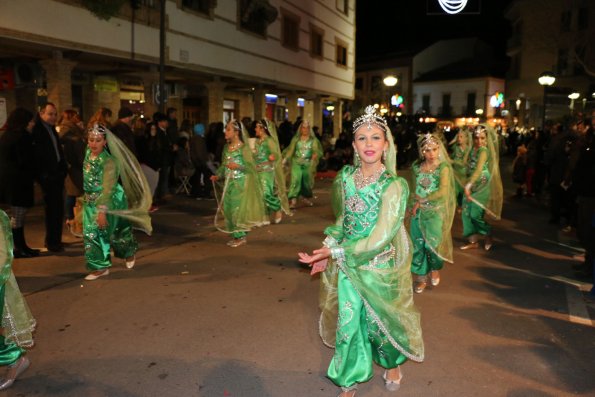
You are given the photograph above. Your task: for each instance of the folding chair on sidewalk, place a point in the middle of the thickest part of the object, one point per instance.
(184, 185)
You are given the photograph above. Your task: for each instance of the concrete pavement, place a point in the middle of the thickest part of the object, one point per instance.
(196, 318)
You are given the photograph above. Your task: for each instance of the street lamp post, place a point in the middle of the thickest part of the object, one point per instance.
(574, 96)
(390, 81)
(546, 79)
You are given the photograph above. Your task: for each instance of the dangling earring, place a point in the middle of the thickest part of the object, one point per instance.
(357, 156)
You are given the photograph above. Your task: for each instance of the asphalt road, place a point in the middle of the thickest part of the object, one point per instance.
(196, 318)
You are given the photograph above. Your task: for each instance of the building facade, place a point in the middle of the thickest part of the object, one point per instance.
(553, 36)
(371, 89)
(221, 58)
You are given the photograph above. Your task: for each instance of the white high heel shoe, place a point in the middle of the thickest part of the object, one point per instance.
(392, 385)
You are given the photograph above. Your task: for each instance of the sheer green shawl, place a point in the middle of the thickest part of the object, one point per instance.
(17, 321)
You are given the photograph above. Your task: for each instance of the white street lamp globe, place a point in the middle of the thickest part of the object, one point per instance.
(546, 78)
(390, 81)
(574, 95)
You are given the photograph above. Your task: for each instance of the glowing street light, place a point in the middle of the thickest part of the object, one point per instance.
(546, 79)
(573, 97)
(390, 81)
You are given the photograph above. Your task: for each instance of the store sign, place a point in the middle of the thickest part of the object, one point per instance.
(160, 95)
(105, 84)
(497, 100)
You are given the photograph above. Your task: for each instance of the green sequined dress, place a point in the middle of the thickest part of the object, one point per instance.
(266, 172)
(478, 175)
(241, 205)
(303, 156)
(366, 296)
(103, 192)
(459, 166)
(431, 224)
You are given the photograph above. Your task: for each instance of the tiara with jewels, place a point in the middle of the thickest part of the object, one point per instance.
(428, 139)
(480, 130)
(370, 118)
(97, 130)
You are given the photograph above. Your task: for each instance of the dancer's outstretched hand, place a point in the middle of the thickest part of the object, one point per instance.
(318, 260)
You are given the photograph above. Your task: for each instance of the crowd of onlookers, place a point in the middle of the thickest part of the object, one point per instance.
(558, 163)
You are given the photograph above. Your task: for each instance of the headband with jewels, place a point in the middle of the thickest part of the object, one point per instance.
(427, 140)
(370, 118)
(480, 130)
(98, 130)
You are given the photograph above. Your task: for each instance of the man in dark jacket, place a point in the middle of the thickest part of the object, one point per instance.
(123, 129)
(162, 191)
(201, 184)
(581, 174)
(50, 173)
(556, 159)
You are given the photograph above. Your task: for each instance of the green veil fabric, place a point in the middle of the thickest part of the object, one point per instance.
(387, 295)
(459, 165)
(280, 182)
(316, 149)
(248, 199)
(134, 183)
(439, 205)
(493, 205)
(17, 321)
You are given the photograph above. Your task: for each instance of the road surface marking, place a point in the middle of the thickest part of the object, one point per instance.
(577, 310)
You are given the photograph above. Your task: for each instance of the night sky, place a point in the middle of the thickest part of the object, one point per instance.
(394, 26)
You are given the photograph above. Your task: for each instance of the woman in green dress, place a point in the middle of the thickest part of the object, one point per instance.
(302, 155)
(109, 208)
(270, 169)
(432, 212)
(237, 187)
(461, 147)
(17, 323)
(483, 188)
(366, 297)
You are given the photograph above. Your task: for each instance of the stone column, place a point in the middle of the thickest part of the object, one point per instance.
(317, 112)
(259, 103)
(337, 118)
(292, 107)
(215, 91)
(59, 80)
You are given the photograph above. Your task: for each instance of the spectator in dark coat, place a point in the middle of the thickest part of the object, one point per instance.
(167, 157)
(556, 160)
(74, 143)
(123, 129)
(51, 171)
(216, 140)
(201, 180)
(172, 126)
(17, 170)
(285, 133)
(581, 172)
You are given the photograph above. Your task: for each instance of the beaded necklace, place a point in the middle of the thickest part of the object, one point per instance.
(362, 181)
